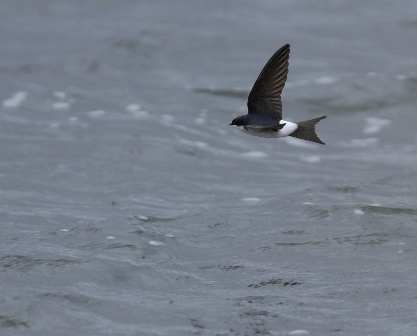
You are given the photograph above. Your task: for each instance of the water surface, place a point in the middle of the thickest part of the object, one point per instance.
(129, 206)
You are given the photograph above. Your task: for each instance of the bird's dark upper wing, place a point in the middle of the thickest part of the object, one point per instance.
(265, 96)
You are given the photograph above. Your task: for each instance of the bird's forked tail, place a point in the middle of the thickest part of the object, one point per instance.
(306, 130)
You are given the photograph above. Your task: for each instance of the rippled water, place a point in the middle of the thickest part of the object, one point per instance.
(129, 206)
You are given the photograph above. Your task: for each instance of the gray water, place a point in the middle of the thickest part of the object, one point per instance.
(129, 206)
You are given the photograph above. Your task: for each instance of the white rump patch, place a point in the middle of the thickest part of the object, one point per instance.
(287, 129)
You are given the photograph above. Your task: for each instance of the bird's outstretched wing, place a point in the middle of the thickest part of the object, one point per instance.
(265, 96)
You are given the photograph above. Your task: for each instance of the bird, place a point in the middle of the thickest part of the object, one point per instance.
(264, 118)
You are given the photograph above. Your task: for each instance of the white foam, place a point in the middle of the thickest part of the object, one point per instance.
(54, 125)
(155, 243)
(251, 199)
(96, 113)
(110, 238)
(60, 106)
(15, 100)
(311, 159)
(401, 243)
(299, 143)
(139, 114)
(302, 82)
(135, 111)
(170, 235)
(202, 118)
(254, 155)
(64, 230)
(326, 80)
(358, 212)
(133, 107)
(140, 217)
(374, 125)
(299, 332)
(167, 119)
(198, 144)
(60, 94)
(372, 74)
(200, 121)
(361, 143)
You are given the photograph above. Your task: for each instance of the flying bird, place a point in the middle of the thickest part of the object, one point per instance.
(264, 118)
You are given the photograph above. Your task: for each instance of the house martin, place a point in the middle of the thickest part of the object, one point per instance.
(264, 118)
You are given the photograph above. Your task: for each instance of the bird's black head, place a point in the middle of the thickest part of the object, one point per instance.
(240, 121)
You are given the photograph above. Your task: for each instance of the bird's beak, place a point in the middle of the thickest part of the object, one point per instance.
(230, 124)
